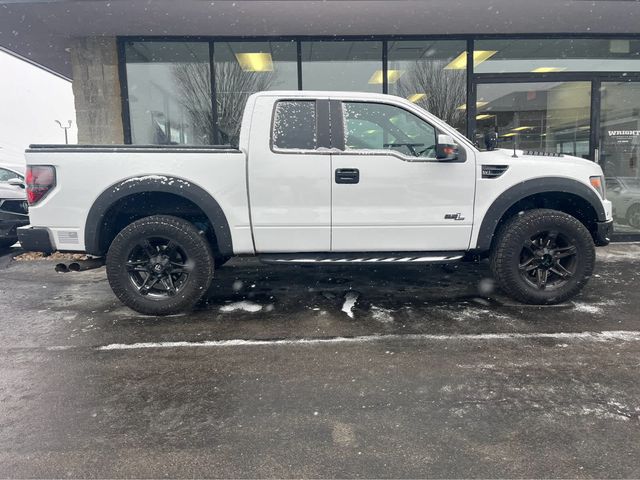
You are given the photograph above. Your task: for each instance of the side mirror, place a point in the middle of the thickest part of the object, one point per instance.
(446, 149)
(16, 182)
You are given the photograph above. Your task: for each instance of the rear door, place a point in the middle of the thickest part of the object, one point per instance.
(389, 192)
(289, 176)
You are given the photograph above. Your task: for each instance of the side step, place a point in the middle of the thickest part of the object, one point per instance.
(360, 257)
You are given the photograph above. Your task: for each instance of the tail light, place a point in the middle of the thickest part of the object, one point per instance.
(40, 180)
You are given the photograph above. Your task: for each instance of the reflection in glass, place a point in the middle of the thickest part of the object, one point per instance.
(376, 126)
(342, 66)
(429, 75)
(620, 151)
(559, 55)
(243, 68)
(169, 93)
(541, 116)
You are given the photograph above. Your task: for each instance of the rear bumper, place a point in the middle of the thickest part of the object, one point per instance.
(602, 233)
(35, 239)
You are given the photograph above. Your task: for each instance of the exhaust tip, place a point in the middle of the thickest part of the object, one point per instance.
(74, 267)
(61, 268)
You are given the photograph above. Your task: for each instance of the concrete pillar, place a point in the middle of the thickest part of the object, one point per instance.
(96, 90)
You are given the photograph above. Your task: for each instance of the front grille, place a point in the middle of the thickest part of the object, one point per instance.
(15, 206)
(493, 171)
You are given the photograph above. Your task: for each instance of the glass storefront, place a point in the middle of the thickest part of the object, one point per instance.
(425, 73)
(541, 116)
(342, 66)
(169, 93)
(542, 56)
(243, 68)
(620, 151)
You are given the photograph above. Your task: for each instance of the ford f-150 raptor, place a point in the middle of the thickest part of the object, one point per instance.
(324, 178)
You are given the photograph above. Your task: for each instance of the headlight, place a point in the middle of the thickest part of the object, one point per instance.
(598, 184)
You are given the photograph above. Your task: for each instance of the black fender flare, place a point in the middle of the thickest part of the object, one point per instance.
(510, 197)
(156, 183)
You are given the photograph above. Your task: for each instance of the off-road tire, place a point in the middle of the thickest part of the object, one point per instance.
(507, 249)
(194, 245)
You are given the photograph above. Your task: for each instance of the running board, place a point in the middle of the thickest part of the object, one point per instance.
(359, 257)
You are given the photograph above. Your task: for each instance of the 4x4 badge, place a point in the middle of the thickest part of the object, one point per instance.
(453, 216)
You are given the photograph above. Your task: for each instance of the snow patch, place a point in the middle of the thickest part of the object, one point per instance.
(382, 315)
(242, 306)
(604, 336)
(586, 308)
(350, 300)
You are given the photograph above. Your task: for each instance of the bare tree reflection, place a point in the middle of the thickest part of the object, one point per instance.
(445, 89)
(233, 87)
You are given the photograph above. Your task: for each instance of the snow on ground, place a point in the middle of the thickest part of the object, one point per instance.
(350, 300)
(616, 252)
(241, 306)
(382, 315)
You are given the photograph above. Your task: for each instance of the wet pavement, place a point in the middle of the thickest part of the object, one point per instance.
(321, 372)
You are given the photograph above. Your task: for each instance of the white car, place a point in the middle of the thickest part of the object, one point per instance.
(624, 193)
(321, 178)
(13, 203)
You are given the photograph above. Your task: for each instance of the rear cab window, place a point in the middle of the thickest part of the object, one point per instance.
(294, 125)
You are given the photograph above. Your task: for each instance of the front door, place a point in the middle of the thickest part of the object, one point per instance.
(389, 192)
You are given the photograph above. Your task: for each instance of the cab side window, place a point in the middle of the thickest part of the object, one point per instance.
(294, 125)
(377, 126)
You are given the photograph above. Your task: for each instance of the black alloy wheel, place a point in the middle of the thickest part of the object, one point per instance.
(160, 265)
(542, 256)
(548, 260)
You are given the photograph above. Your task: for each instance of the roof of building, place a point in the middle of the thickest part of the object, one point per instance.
(41, 30)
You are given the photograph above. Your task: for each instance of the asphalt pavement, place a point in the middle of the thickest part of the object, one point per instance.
(336, 371)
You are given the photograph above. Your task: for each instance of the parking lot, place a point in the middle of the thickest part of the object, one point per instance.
(321, 372)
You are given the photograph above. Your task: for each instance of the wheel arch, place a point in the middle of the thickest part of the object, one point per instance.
(563, 194)
(185, 193)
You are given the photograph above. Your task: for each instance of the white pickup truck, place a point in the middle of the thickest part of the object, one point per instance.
(324, 178)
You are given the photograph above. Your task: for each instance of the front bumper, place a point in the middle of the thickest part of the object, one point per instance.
(35, 239)
(602, 233)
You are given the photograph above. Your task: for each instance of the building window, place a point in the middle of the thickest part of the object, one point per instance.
(541, 116)
(169, 93)
(294, 125)
(342, 66)
(433, 75)
(243, 68)
(557, 55)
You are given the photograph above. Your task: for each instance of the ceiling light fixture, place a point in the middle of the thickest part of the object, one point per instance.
(548, 69)
(255, 62)
(392, 76)
(479, 56)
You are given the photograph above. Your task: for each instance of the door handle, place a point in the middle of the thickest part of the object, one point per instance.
(347, 175)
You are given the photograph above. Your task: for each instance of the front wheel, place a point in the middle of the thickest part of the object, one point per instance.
(159, 265)
(542, 257)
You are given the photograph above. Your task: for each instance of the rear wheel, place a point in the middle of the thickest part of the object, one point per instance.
(159, 265)
(543, 257)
